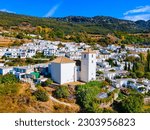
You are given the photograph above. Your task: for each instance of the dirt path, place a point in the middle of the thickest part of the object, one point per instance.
(57, 101)
(30, 82)
(32, 85)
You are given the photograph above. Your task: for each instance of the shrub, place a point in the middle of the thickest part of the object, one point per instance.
(86, 96)
(133, 75)
(9, 79)
(6, 89)
(41, 95)
(132, 104)
(99, 72)
(9, 84)
(61, 92)
(47, 83)
(147, 75)
(139, 74)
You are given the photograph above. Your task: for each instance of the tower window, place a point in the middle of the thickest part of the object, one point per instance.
(92, 61)
(92, 55)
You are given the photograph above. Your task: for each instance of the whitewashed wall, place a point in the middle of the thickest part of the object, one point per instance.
(88, 67)
(68, 73)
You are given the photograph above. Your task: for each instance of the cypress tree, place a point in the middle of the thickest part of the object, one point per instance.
(129, 67)
(148, 60)
(125, 67)
(134, 67)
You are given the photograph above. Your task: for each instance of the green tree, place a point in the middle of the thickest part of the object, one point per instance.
(20, 36)
(39, 29)
(123, 46)
(61, 92)
(147, 75)
(129, 67)
(133, 74)
(59, 33)
(148, 60)
(7, 88)
(47, 83)
(132, 104)
(86, 96)
(39, 55)
(142, 58)
(125, 67)
(133, 68)
(99, 72)
(9, 84)
(139, 74)
(138, 66)
(60, 45)
(41, 95)
(9, 79)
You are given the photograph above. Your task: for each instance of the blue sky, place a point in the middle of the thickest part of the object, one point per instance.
(124, 9)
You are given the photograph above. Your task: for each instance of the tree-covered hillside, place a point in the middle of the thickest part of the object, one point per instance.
(99, 29)
(92, 25)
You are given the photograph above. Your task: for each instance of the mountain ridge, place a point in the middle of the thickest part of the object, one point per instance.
(69, 24)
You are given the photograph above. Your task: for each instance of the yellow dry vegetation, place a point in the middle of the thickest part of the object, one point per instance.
(7, 41)
(146, 107)
(4, 42)
(25, 102)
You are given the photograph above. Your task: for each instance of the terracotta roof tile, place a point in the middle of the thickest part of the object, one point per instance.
(62, 60)
(87, 51)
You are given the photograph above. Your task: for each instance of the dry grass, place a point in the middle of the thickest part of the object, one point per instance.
(66, 109)
(24, 102)
(146, 106)
(74, 83)
(4, 42)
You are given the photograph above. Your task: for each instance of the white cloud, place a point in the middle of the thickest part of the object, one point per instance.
(139, 13)
(52, 11)
(141, 9)
(8, 11)
(138, 17)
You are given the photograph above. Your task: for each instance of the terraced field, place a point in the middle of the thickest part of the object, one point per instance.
(5, 42)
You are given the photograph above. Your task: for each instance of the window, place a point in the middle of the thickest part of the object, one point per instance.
(92, 55)
(84, 55)
(92, 61)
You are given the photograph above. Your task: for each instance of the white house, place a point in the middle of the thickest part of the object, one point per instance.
(5, 70)
(104, 56)
(124, 82)
(31, 53)
(110, 75)
(24, 69)
(88, 66)
(63, 70)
